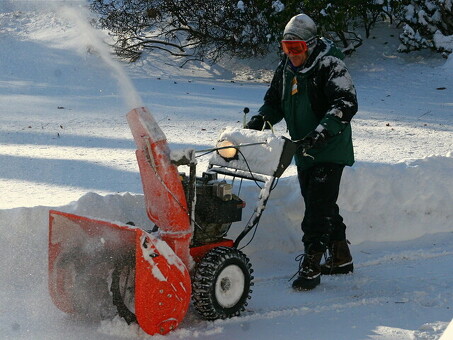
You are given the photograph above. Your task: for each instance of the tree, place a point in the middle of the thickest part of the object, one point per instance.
(393, 10)
(207, 30)
(196, 29)
(369, 11)
(336, 20)
(428, 24)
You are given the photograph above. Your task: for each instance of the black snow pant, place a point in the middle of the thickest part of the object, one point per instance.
(322, 222)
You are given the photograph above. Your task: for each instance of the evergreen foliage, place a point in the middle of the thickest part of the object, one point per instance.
(208, 30)
(196, 29)
(428, 24)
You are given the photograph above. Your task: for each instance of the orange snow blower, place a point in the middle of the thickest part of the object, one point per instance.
(99, 269)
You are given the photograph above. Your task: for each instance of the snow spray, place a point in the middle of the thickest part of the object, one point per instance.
(92, 37)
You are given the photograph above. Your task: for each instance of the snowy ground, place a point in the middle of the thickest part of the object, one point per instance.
(65, 143)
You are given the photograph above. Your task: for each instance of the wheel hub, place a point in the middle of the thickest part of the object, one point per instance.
(230, 286)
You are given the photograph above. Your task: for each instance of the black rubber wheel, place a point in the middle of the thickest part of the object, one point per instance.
(123, 289)
(221, 283)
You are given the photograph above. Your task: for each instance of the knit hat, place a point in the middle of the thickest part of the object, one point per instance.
(300, 27)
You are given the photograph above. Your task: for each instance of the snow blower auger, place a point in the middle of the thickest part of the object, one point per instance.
(99, 269)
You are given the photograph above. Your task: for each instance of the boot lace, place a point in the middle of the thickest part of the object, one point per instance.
(300, 258)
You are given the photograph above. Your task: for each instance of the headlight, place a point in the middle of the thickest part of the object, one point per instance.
(227, 150)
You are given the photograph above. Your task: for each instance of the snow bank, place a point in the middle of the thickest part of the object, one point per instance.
(398, 202)
(379, 203)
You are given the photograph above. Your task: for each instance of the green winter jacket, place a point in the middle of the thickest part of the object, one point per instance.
(321, 92)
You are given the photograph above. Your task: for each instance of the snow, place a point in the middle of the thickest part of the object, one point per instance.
(65, 144)
(278, 6)
(259, 150)
(163, 249)
(442, 41)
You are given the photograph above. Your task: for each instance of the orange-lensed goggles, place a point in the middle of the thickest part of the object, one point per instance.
(294, 47)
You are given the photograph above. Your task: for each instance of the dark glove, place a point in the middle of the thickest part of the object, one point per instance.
(256, 123)
(314, 139)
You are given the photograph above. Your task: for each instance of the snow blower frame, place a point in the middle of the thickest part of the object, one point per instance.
(99, 269)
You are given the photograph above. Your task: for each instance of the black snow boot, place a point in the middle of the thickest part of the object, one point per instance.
(340, 259)
(309, 275)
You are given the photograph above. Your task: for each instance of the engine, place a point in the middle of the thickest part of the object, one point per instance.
(216, 207)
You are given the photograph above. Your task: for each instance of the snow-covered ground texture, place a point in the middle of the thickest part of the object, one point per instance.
(65, 144)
